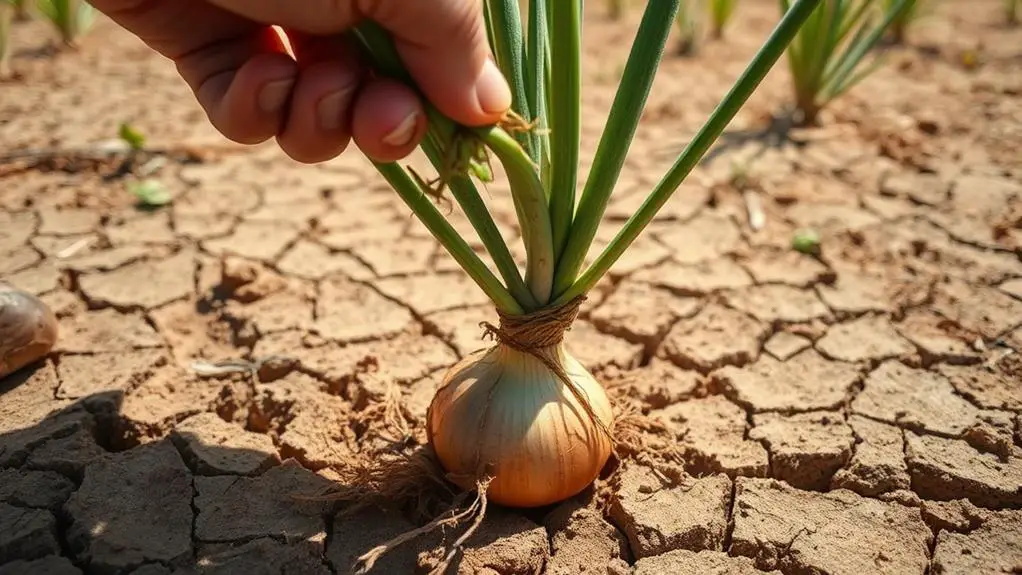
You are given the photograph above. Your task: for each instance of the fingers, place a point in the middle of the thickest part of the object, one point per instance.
(388, 120)
(449, 58)
(318, 124)
(442, 42)
(245, 85)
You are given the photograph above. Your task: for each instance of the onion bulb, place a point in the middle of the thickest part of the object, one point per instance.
(505, 414)
(28, 329)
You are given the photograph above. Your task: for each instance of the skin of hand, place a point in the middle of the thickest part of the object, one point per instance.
(306, 87)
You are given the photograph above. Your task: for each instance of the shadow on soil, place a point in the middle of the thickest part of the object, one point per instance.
(79, 495)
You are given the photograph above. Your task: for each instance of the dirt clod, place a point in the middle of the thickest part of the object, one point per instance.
(582, 541)
(216, 447)
(914, 398)
(869, 338)
(263, 555)
(27, 533)
(945, 469)
(712, 432)
(50, 565)
(645, 508)
(992, 548)
(841, 533)
(505, 544)
(685, 562)
(118, 521)
(805, 382)
(782, 345)
(806, 449)
(715, 337)
(878, 465)
(38, 489)
(241, 508)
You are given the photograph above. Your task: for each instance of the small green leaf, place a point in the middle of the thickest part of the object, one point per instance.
(150, 193)
(806, 241)
(131, 136)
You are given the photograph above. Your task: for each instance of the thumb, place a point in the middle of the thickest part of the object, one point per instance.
(442, 43)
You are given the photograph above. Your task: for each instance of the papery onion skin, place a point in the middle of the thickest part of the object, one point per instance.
(506, 410)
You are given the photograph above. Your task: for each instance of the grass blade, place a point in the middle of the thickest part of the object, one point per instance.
(633, 90)
(761, 64)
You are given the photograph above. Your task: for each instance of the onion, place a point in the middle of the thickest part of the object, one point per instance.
(505, 413)
(28, 329)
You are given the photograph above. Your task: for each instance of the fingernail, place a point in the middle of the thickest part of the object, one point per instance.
(274, 95)
(403, 133)
(492, 91)
(330, 109)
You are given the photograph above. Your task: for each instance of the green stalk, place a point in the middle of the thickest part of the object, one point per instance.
(531, 209)
(565, 24)
(633, 90)
(509, 49)
(471, 202)
(420, 204)
(535, 79)
(440, 135)
(721, 117)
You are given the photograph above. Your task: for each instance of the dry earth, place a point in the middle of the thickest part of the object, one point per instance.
(854, 412)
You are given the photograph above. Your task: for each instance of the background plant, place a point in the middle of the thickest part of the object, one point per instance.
(721, 12)
(905, 18)
(616, 8)
(828, 55)
(688, 27)
(1011, 11)
(71, 18)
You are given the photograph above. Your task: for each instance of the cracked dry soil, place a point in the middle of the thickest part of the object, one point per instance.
(855, 412)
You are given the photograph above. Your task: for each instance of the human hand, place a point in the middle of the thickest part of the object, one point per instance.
(316, 102)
